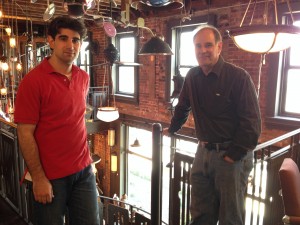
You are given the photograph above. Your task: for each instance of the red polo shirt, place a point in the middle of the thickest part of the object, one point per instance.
(57, 107)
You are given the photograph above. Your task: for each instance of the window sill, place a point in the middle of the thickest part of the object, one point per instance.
(126, 99)
(281, 121)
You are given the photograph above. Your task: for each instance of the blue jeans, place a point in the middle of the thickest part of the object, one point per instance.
(75, 194)
(218, 188)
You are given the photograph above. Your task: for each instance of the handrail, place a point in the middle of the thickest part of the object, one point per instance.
(278, 139)
(131, 207)
(263, 184)
(126, 203)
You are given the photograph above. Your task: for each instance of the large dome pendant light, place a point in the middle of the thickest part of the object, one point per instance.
(265, 38)
(109, 113)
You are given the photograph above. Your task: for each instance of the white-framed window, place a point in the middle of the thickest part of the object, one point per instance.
(139, 167)
(139, 170)
(284, 79)
(184, 58)
(289, 90)
(125, 72)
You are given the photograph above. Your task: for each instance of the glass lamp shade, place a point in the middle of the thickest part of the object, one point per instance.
(108, 114)
(155, 46)
(114, 162)
(111, 133)
(264, 38)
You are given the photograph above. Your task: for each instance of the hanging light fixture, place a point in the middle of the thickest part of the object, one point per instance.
(19, 66)
(12, 41)
(109, 113)
(136, 143)
(264, 38)
(3, 91)
(159, 5)
(8, 31)
(155, 46)
(4, 66)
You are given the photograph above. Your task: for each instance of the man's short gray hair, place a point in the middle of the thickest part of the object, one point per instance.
(217, 34)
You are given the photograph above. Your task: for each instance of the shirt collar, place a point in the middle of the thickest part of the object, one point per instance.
(49, 69)
(218, 67)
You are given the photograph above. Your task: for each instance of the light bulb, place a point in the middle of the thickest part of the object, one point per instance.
(4, 66)
(3, 91)
(12, 42)
(8, 31)
(19, 66)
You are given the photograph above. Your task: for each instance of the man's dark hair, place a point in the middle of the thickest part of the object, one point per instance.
(67, 22)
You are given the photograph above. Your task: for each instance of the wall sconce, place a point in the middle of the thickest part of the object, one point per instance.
(111, 133)
(113, 162)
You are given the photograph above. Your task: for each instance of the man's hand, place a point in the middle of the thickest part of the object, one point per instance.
(165, 131)
(42, 190)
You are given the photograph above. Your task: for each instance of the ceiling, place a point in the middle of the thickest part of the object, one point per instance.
(34, 10)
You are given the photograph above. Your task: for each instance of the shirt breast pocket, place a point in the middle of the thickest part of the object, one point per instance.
(221, 104)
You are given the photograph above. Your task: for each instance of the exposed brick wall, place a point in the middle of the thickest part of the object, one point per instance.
(103, 150)
(153, 74)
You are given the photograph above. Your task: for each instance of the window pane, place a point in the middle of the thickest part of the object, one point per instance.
(139, 182)
(183, 71)
(295, 49)
(295, 59)
(293, 91)
(187, 52)
(126, 79)
(127, 49)
(84, 54)
(140, 171)
(186, 146)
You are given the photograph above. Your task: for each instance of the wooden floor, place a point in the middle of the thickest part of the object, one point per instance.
(8, 216)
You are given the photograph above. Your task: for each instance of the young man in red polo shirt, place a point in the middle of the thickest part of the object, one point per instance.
(49, 111)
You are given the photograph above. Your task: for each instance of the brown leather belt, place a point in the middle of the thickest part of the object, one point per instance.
(215, 146)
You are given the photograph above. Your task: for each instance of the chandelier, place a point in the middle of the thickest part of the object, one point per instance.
(264, 38)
